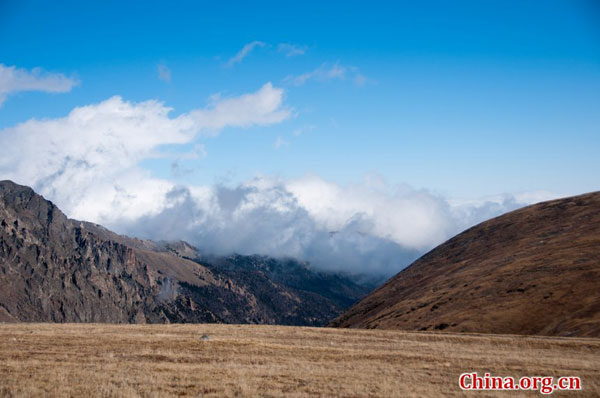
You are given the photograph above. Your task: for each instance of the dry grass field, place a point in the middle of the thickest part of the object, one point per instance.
(247, 361)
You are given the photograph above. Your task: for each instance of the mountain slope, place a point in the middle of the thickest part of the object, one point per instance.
(271, 280)
(61, 270)
(532, 271)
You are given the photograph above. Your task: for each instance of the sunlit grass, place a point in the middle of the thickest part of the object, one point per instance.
(234, 360)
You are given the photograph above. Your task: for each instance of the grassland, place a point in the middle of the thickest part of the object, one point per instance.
(246, 361)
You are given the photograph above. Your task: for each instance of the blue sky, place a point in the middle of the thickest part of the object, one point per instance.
(463, 99)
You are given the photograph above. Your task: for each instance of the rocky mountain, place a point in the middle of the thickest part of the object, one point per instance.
(60, 270)
(270, 278)
(532, 271)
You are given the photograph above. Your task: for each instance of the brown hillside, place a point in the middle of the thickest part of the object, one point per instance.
(532, 271)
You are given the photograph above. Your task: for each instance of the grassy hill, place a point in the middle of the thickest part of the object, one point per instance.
(531, 271)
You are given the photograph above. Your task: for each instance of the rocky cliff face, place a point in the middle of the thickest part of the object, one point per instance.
(289, 292)
(61, 270)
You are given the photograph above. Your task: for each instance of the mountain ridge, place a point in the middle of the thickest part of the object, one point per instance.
(56, 269)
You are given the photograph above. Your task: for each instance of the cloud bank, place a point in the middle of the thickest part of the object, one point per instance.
(88, 164)
(14, 80)
(366, 228)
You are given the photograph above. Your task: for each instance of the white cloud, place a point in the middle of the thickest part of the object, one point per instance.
(326, 72)
(244, 52)
(262, 107)
(88, 161)
(14, 80)
(291, 50)
(412, 218)
(164, 73)
(323, 73)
